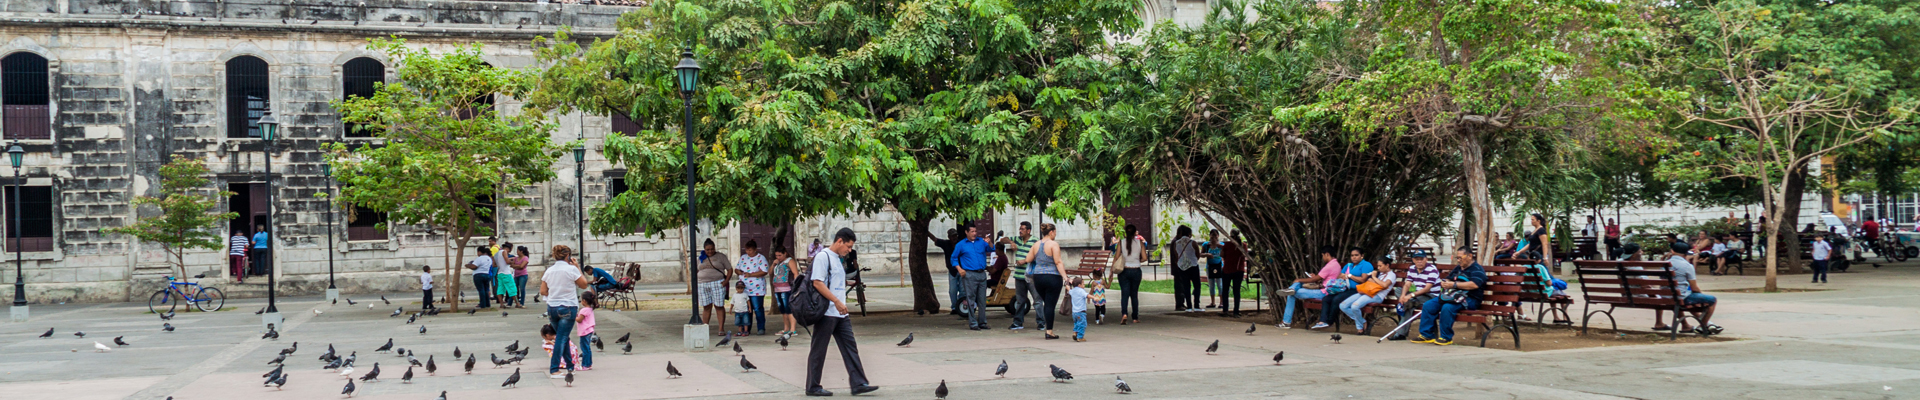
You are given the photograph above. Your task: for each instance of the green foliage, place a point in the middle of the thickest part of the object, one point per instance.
(187, 218)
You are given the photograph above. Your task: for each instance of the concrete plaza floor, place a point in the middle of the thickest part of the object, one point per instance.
(1857, 339)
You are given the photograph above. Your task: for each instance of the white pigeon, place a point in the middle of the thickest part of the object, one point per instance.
(101, 348)
(316, 311)
(347, 371)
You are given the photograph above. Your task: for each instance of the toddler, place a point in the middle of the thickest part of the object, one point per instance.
(742, 308)
(583, 325)
(1097, 295)
(547, 335)
(1079, 295)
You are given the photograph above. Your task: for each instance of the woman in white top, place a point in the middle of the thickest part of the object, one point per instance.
(560, 286)
(1132, 251)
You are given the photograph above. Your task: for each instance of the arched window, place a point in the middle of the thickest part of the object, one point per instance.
(247, 96)
(358, 79)
(23, 85)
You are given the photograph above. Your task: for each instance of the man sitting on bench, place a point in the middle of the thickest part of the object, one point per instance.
(1460, 290)
(1684, 274)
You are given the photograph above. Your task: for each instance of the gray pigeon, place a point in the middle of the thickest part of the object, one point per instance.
(671, 371)
(512, 380)
(623, 338)
(383, 299)
(1336, 338)
(746, 366)
(396, 313)
(1121, 385)
(736, 348)
(411, 318)
(385, 347)
(272, 376)
(79, 334)
(628, 348)
(443, 395)
(48, 334)
(470, 361)
(281, 359)
(275, 371)
(1002, 370)
(289, 350)
(1279, 356)
(1251, 327)
(407, 377)
(282, 381)
(782, 340)
(349, 389)
(569, 378)
(430, 366)
(456, 351)
(1060, 375)
(724, 340)
(514, 346)
(118, 342)
(907, 341)
(166, 327)
(373, 375)
(167, 316)
(496, 360)
(1211, 348)
(423, 331)
(940, 393)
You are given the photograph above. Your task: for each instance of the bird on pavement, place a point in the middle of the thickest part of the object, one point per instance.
(346, 371)
(118, 342)
(1336, 338)
(335, 364)
(281, 359)
(79, 334)
(782, 340)
(503, 314)
(101, 348)
(166, 317)
(316, 311)
(496, 360)
(165, 327)
(671, 371)
(1250, 328)
(260, 311)
(430, 366)
(396, 313)
(373, 375)
(336, 301)
(1121, 385)
(736, 348)
(327, 356)
(746, 366)
(350, 301)
(443, 395)
(623, 338)
(470, 312)
(423, 330)
(628, 347)
(351, 357)
(400, 352)
(385, 347)
(1279, 356)
(724, 340)
(456, 351)
(369, 306)
(598, 344)
(1211, 348)
(48, 334)
(271, 333)
(514, 346)
(383, 299)
(411, 318)
(414, 362)
(273, 375)
(282, 381)
(275, 371)
(407, 377)
(470, 361)
(940, 393)
(512, 380)
(290, 350)
(907, 341)
(569, 378)
(1001, 371)
(1060, 374)
(349, 389)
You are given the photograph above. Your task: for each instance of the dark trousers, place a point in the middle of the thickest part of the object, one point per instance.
(1186, 288)
(1819, 270)
(520, 281)
(1022, 302)
(1130, 293)
(974, 288)
(483, 286)
(1613, 248)
(262, 261)
(1049, 288)
(840, 330)
(1230, 283)
(1330, 306)
(426, 298)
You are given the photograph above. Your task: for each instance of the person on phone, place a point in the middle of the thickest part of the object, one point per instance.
(1312, 287)
(1460, 290)
(1358, 270)
(829, 276)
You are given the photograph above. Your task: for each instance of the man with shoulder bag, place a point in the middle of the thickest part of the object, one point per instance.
(1460, 290)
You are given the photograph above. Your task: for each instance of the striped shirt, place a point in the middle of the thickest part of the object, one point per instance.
(1424, 277)
(237, 245)
(1020, 248)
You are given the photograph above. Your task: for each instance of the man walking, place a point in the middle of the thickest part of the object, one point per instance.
(237, 257)
(262, 251)
(830, 280)
(970, 256)
(1017, 250)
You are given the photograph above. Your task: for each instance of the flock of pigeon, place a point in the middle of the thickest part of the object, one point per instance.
(277, 378)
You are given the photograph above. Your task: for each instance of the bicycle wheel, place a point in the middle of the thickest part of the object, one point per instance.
(209, 299)
(1897, 255)
(161, 302)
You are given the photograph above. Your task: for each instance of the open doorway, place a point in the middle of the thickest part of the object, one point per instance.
(249, 201)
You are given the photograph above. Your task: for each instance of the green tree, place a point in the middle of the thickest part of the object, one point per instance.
(444, 158)
(1785, 83)
(187, 218)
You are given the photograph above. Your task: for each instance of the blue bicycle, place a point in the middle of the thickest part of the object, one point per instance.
(204, 298)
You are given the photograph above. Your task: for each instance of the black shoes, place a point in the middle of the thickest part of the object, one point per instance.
(865, 389)
(819, 393)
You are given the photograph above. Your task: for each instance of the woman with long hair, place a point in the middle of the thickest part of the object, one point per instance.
(1046, 277)
(1132, 250)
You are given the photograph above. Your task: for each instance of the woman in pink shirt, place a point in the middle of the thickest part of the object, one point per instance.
(1312, 287)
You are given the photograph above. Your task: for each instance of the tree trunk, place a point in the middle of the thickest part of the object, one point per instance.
(1796, 184)
(925, 301)
(1474, 168)
(1773, 241)
(453, 284)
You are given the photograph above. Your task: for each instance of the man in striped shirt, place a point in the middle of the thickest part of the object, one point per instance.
(1017, 250)
(237, 255)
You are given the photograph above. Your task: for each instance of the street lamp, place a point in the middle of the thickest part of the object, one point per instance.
(687, 75)
(326, 169)
(269, 128)
(579, 198)
(15, 154)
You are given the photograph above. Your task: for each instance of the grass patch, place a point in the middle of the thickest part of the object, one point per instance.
(1166, 286)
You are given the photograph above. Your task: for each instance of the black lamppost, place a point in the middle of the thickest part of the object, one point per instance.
(688, 77)
(14, 154)
(326, 169)
(269, 127)
(579, 198)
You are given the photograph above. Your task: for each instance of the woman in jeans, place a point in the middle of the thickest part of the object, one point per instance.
(1132, 250)
(782, 278)
(1354, 306)
(560, 286)
(519, 265)
(1046, 277)
(1312, 287)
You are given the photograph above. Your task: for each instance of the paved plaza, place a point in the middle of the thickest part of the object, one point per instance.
(1859, 339)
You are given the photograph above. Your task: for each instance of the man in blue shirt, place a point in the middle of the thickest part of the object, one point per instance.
(970, 256)
(1460, 290)
(1357, 270)
(262, 252)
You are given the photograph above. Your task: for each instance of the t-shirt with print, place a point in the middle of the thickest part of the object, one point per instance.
(782, 273)
(751, 264)
(1423, 277)
(1683, 272)
(828, 268)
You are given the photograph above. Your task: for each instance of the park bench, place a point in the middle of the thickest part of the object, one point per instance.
(620, 297)
(1646, 285)
(1537, 291)
(1586, 247)
(1501, 306)
(1090, 261)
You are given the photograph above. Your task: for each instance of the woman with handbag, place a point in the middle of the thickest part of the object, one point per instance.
(1357, 271)
(1373, 291)
(1046, 277)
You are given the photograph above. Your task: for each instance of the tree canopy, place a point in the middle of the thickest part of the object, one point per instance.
(187, 204)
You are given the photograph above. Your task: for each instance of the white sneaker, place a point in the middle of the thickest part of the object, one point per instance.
(1281, 325)
(1319, 325)
(557, 376)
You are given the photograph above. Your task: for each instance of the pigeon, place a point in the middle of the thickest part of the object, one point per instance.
(443, 395)
(409, 353)
(602, 345)
(335, 301)
(470, 361)
(724, 340)
(400, 352)
(623, 338)
(496, 360)
(1121, 385)
(373, 375)
(514, 346)
(48, 334)
(430, 366)
(470, 312)
(327, 355)
(335, 364)
(79, 334)
(411, 318)
(413, 362)
(271, 334)
(1211, 348)
(628, 348)
(350, 301)
(940, 393)
(282, 382)
(118, 342)
(352, 356)
(1250, 328)
(1001, 371)
(260, 311)
(517, 358)
(569, 378)
(346, 371)
(396, 313)
(282, 360)
(290, 350)
(385, 347)
(369, 306)
(1060, 374)
(736, 348)
(907, 341)
(746, 366)
(503, 314)
(166, 317)
(349, 389)
(316, 311)
(275, 371)
(165, 327)
(383, 300)
(456, 351)
(671, 371)
(271, 376)
(101, 348)
(423, 331)
(512, 380)
(1279, 356)
(407, 377)
(1336, 338)
(782, 340)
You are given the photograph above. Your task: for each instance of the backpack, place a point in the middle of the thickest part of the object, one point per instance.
(806, 303)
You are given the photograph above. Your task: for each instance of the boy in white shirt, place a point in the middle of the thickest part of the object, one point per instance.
(426, 287)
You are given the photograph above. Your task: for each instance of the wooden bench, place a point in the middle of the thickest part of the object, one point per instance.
(1500, 308)
(1646, 285)
(1371, 313)
(1537, 291)
(1090, 261)
(1586, 247)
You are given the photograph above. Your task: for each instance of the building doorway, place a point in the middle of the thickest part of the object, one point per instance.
(249, 200)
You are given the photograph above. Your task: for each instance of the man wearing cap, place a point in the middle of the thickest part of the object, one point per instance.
(1685, 274)
(1422, 276)
(1459, 290)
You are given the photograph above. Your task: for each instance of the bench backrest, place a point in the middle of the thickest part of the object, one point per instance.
(1095, 259)
(1534, 286)
(1503, 287)
(1628, 283)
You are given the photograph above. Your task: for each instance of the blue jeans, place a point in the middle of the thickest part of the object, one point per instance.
(1079, 324)
(561, 317)
(780, 302)
(759, 312)
(1298, 295)
(741, 319)
(1697, 298)
(521, 282)
(483, 286)
(1356, 306)
(586, 349)
(1436, 318)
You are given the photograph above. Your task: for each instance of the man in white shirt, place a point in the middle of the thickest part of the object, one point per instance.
(482, 267)
(1821, 251)
(560, 286)
(829, 277)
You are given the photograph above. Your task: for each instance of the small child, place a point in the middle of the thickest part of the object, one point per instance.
(1098, 296)
(1079, 295)
(583, 326)
(426, 287)
(547, 334)
(742, 309)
